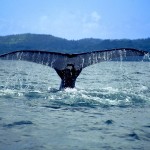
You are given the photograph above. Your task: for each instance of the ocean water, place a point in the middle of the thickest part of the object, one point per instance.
(109, 109)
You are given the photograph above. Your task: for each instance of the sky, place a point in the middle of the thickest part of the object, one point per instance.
(77, 19)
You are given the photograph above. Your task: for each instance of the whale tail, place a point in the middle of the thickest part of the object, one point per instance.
(69, 66)
(68, 76)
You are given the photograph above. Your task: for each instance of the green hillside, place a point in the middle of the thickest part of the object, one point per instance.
(55, 44)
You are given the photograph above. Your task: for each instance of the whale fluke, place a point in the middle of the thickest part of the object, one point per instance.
(69, 66)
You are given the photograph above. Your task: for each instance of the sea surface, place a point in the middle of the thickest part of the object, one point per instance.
(108, 110)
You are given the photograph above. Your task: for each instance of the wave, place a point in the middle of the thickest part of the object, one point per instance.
(77, 97)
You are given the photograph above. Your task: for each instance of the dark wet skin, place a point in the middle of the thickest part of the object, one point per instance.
(68, 76)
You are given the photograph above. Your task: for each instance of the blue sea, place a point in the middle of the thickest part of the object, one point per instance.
(108, 110)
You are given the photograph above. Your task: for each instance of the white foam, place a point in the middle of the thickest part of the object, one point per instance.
(10, 92)
(70, 90)
(143, 88)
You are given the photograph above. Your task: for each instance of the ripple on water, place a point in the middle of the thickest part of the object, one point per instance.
(109, 122)
(19, 123)
(132, 136)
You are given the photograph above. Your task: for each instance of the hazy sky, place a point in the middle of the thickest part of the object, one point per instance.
(76, 19)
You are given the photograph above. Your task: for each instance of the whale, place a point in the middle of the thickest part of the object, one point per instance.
(69, 66)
